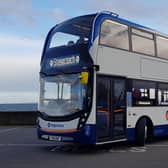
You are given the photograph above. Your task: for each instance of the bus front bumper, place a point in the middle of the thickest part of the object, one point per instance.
(85, 135)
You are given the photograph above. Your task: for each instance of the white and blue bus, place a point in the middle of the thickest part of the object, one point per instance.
(103, 79)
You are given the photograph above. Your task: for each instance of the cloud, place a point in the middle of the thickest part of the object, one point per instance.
(54, 15)
(22, 12)
(17, 45)
(141, 11)
(131, 8)
(20, 61)
(19, 75)
(12, 11)
(57, 15)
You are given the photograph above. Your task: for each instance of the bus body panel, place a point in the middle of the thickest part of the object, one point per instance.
(132, 65)
(136, 66)
(92, 117)
(68, 126)
(66, 131)
(158, 116)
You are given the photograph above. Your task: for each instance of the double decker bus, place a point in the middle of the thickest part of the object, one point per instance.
(103, 79)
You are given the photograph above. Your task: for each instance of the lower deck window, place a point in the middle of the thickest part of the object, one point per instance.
(163, 94)
(144, 93)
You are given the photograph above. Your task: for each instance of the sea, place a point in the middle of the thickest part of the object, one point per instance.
(17, 107)
(18, 101)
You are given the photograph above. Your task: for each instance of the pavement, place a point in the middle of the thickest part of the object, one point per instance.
(20, 148)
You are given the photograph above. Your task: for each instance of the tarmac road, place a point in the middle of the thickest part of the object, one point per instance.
(20, 148)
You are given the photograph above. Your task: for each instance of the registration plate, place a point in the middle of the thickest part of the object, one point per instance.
(55, 138)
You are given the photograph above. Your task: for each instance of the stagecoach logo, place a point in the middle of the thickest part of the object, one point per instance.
(52, 125)
(64, 61)
(166, 115)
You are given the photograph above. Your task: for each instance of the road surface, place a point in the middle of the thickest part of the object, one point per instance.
(20, 148)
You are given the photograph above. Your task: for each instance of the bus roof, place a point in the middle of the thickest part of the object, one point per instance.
(86, 21)
(80, 25)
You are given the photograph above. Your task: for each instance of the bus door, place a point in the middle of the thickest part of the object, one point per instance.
(110, 108)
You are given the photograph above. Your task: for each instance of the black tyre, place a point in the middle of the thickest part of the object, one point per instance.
(141, 132)
(149, 133)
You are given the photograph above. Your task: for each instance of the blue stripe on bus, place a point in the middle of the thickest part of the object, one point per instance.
(130, 134)
(160, 130)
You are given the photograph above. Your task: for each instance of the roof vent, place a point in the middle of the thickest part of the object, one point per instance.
(111, 13)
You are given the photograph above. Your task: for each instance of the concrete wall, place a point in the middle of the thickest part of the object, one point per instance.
(18, 118)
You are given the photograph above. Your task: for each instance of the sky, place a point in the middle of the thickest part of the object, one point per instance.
(24, 25)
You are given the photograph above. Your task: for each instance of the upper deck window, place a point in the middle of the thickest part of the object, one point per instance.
(114, 34)
(71, 32)
(63, 39)
(162, 47)
(143, 42)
